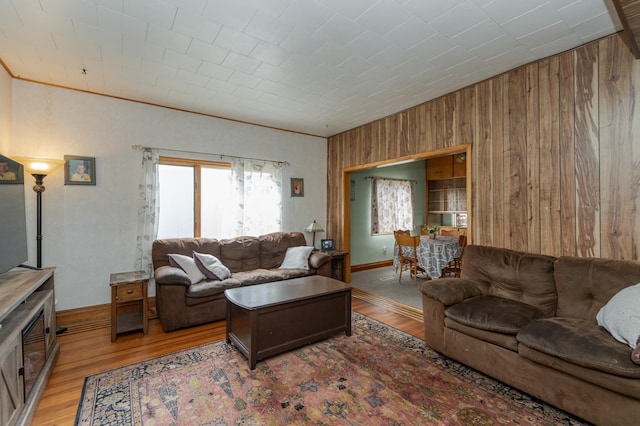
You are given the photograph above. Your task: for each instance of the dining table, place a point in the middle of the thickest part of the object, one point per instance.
(434, 254)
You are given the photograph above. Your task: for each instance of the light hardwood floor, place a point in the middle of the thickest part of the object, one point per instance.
(89, 352)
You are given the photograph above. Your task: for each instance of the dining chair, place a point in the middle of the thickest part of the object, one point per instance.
(449, 232)
(408, 252)
(454, 267)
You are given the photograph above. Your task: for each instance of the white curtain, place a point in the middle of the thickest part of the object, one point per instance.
(391, 205)
(148, 210)
(258, 197)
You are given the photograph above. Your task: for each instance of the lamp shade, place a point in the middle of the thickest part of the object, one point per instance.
(39, 166)
(314, 227)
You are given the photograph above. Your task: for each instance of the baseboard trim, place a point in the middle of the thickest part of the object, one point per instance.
(374, 265)
(92, 317)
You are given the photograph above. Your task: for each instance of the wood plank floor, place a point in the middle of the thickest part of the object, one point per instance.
(90, 352)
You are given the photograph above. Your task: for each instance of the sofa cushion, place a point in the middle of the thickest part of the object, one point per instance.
(523, 277)
(296, 258)
(450, 291)
(185, 246)
(211, 266)
(493, 314)
(507, 341)
(240, 253)
(579, 342)
(208, 291)
(273, 247)
(621, 316)
(256, 276)
(188, 265)
(584, 284)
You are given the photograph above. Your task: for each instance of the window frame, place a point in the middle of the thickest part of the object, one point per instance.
(197, 166)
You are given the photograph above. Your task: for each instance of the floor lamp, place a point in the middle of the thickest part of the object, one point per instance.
(39, 168)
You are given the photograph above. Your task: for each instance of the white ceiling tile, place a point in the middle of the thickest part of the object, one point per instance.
(479, 34)
(240, 63)
(593, 29)
(195, 26)
(167, 39)
(430, 10)
(434, 46)
(307, 15)
(180, 60)
(215, 71)
(340, 31)
(221, 86)
(460, 18)
(207, 51)
(73, 46)
(192, 78)
(158, 69)
(192, 6)
(158, 12)
(369, 44)
(502, 11)
(231, 39)
(351, 9)
(244, 79)
(410, 33)
(301, 42)
(234, 14)
(268, 28)
(77, 11)
(383, 17)
(269, 53)
(578, 11)
(546, 35)
(120, 23)
(532, 21)
(141, 50)
(557, 45)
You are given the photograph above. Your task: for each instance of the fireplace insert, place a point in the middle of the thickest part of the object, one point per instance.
(33, 351)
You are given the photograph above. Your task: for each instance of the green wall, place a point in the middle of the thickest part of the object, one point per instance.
(367, 248)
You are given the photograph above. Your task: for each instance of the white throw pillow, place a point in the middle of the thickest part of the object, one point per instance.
(211, 266)
(621, 315)
(187, 264)
(297, 258)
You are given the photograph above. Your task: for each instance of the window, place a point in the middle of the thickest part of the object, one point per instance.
(190, 196)
(391, 205)
(218, 200)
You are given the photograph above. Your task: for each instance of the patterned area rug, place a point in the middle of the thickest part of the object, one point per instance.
(378, 376)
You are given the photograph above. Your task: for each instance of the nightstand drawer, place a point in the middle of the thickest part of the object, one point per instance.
(129, 292)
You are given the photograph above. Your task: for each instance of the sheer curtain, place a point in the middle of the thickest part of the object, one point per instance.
(391, 205)
(148, 210)
(257, 197)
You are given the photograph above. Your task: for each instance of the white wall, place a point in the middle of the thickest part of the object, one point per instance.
(90, 231)
(5, 112)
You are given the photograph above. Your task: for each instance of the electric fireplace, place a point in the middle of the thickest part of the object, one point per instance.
(33, 351)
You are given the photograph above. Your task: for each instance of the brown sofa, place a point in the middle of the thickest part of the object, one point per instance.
(251, 260)
(530, 321)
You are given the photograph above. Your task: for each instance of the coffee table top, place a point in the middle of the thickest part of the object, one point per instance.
(263, 295)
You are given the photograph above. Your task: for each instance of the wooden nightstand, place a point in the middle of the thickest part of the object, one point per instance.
(337, 263)
(129, 302)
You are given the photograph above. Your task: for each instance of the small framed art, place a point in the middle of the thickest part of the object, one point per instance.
(10, 171)
(326, 245)
(297, 187)
(79, 170)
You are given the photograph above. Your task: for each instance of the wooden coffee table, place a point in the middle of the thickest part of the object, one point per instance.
(267, 319)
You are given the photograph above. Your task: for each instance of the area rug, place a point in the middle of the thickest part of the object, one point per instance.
(377, 376)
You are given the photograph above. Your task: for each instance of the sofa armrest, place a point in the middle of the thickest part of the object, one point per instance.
(450, 291)
(318, 258)
(171, 275)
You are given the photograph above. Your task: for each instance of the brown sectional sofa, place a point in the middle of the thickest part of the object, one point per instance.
(252, 260)
(529, 321)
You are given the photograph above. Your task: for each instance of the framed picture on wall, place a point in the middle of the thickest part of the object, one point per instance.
(297, 187)
(10, 171)
(79, 170)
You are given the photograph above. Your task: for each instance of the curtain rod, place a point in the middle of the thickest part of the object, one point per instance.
(381, 177)
(278, 162)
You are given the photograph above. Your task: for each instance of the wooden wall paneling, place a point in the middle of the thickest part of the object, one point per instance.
(549, 92)
(499, 106)
(482, 194)
(587, 151)
(533, 158)
(465, 116)
(422, 128)
(449, 121)
(567, 154)
(619, 152)
(515, 161)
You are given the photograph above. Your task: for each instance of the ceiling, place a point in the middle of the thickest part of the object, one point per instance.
(312, 66)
